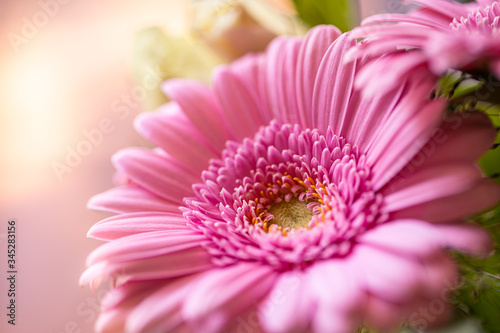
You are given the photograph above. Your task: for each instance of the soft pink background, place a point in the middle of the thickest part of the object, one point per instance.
(59, 84)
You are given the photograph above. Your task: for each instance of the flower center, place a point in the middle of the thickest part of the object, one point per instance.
(484, 20)
(293, 214)
(288, 196)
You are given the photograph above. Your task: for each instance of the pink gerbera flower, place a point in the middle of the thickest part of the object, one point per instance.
(441, 34)
(303, 205)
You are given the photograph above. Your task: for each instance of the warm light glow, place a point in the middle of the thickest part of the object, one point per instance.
(34, 111)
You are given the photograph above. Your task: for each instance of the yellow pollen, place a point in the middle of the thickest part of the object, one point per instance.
(292, 214)
(297, 180)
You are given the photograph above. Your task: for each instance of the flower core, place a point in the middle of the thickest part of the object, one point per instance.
(288, 196)
(290, 215)
(484, 20)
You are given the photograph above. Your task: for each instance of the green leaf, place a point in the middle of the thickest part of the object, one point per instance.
(490, 162)
(341, 13)
(479, 296)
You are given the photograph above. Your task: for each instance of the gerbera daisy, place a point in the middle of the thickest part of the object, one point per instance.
(441, 35)
(281, 200)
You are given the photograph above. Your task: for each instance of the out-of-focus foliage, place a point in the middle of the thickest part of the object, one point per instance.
(341, 13)
(164, 56)
(218, 31)
(479, 295)
(490, 162)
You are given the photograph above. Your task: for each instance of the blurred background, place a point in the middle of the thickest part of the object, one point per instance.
(73, 75)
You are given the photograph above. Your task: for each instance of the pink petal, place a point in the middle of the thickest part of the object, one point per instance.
(156, 173)
(175, 264)
(386, 283)
(170, 129)
(386, 39)
(333, 281)
(288, 307)
(399, 142)
(240, 106)
(391, 70)
(495, 68)
(330, 99)
(93, 275)
(247, 322)
(441, 275)
(278, 75)
(462, 137)
(416, 239)
(459, 51)
(135, 223)
(409, 104)
(120, 301)
(161, 311)
(486, 2)
(409, 236)
(384, 51)
(200, 106)
(130, 199)
(444, 7)
(484, 194)
(442, 19)
(122, 294)
(362, 126)
(180, 263)
(112, 321)
(468, 238)
(249, 72)
(332, 321)
(340, 299)
(384, 315)
(392, 17)
(150, 255)
(429, 184)
(145, 245)
(222, 294)
(311, 53)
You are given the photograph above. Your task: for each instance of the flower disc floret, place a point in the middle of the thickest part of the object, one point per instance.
(287, 197)
(484, 20)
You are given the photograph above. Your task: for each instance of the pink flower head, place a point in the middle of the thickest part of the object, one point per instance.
(441, 35)
(303, 205)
